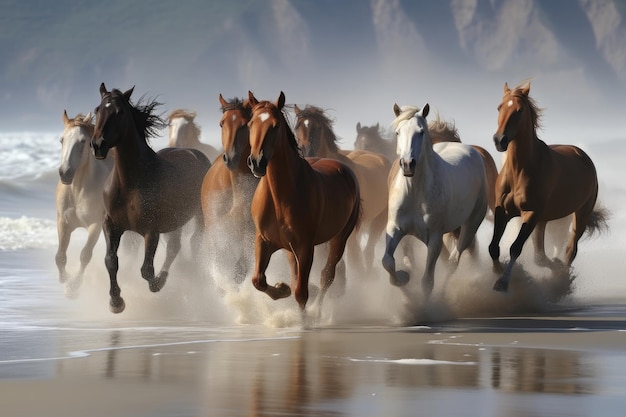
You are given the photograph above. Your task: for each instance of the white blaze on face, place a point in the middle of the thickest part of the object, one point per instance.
(176, 138)
(264, 116)
(510, 103)
(306, 123)
(233, 117)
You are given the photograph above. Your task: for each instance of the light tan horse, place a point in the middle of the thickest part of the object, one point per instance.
(539, 183)
(185, 133)
(316, 138)
(79, 200)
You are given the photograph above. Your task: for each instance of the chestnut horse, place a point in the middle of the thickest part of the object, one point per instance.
(298, 204)
(184, 132)
(227, 191)
(79, 199)
(370, 138)
(539, 183)
(147, 192)
(316, 138)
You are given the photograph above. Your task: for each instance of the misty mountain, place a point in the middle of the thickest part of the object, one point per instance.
(354, 57)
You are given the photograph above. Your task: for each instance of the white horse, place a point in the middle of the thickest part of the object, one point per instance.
(433, 190)
(185, 133)
(79, 198)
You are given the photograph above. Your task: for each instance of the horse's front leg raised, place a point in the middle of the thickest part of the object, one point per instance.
(263, 251)
(397, 278)
(172, 250)
(112, 235)
(528, 225)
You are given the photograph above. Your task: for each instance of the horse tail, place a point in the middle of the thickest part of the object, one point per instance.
(598, 221)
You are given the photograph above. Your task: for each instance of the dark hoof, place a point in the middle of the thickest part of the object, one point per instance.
(158, 282)
(117, 305)
(278, 291)
(400, 279)
(501, 286)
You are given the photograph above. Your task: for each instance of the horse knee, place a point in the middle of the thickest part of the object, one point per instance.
(147, 271)
(260, 282)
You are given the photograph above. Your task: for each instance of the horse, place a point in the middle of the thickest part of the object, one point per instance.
(227, 191)
(147, 192)
(539, 183)
(185, 133)
(434, 189)
(299, 203)
(371, 138)
(79, 200)
(316, 138)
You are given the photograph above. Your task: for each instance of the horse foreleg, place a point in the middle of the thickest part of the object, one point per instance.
(528, 225)
(434, 246)
(172, 250)
(263, 251)
(112, 235)
(397, 278)
(151, 242)
(303, 262)
(376, 228)
(500, 219)
(64, 232)
(93, 233)
(538, 237)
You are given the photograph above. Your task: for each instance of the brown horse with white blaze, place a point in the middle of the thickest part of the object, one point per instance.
(539, 182)
(298, 203)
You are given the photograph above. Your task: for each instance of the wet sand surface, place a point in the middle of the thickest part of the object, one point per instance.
(573, 364)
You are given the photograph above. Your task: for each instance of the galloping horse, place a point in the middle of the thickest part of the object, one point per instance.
(316, 139)
(370, 138)
(147, 192)
(185, 133)
(298, 203)
(227, 191)
(539, 183)
(433, 190)
(79, 195)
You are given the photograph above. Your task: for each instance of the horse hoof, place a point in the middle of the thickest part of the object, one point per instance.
(117, 305)
(72, 290)
(278, 291)
(400, 279)
(501, 286)
(158, 282)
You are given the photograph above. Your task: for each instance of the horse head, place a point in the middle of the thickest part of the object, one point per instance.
(75, 134)
(264, 121)
(411, 131)
(510, 115)
(367, 137)
(314, 132)
(112, 119)
(236, 114)
(183, 131)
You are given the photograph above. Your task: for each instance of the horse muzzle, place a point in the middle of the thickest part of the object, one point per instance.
(66, 175)
(408, 166)
(257, 165)
(231, 161)
(100, 148)
(501, 141)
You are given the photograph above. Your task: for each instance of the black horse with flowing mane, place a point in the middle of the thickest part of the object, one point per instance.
(147, 192)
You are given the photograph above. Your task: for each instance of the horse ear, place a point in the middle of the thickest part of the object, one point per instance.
(358, 127)
(280, 101)
(377, 126)
(253, 101)
(222, 101)
(87, 118)
(396, 109)
(66, 119)
(526, 89)
(128, 92)
(296, 109)
(506, 88)
(103, 90)
(425, 110)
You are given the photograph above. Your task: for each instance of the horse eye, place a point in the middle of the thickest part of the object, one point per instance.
(499, 107)
(61, 139)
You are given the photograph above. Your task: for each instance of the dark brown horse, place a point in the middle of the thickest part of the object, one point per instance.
(316, 138)
(538, 182)
(298, 203)
(147, 192)
(227, 192)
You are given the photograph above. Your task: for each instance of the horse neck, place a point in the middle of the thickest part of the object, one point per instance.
(327, 147)
(426, 168)
(132, 153)
(283, 170)
(522, 147)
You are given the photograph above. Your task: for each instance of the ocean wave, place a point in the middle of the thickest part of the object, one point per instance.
(27, 233)
(28, 155)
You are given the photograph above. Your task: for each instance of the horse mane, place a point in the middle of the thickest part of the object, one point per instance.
(317, 115)
(237, 103)
(293, 142)
(406, 113)
(439, 130)
(187, 115)
(535, 111)
(79, 120)
(147, 122)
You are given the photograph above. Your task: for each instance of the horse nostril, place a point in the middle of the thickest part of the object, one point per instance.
(225, 158)
(249, 160)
